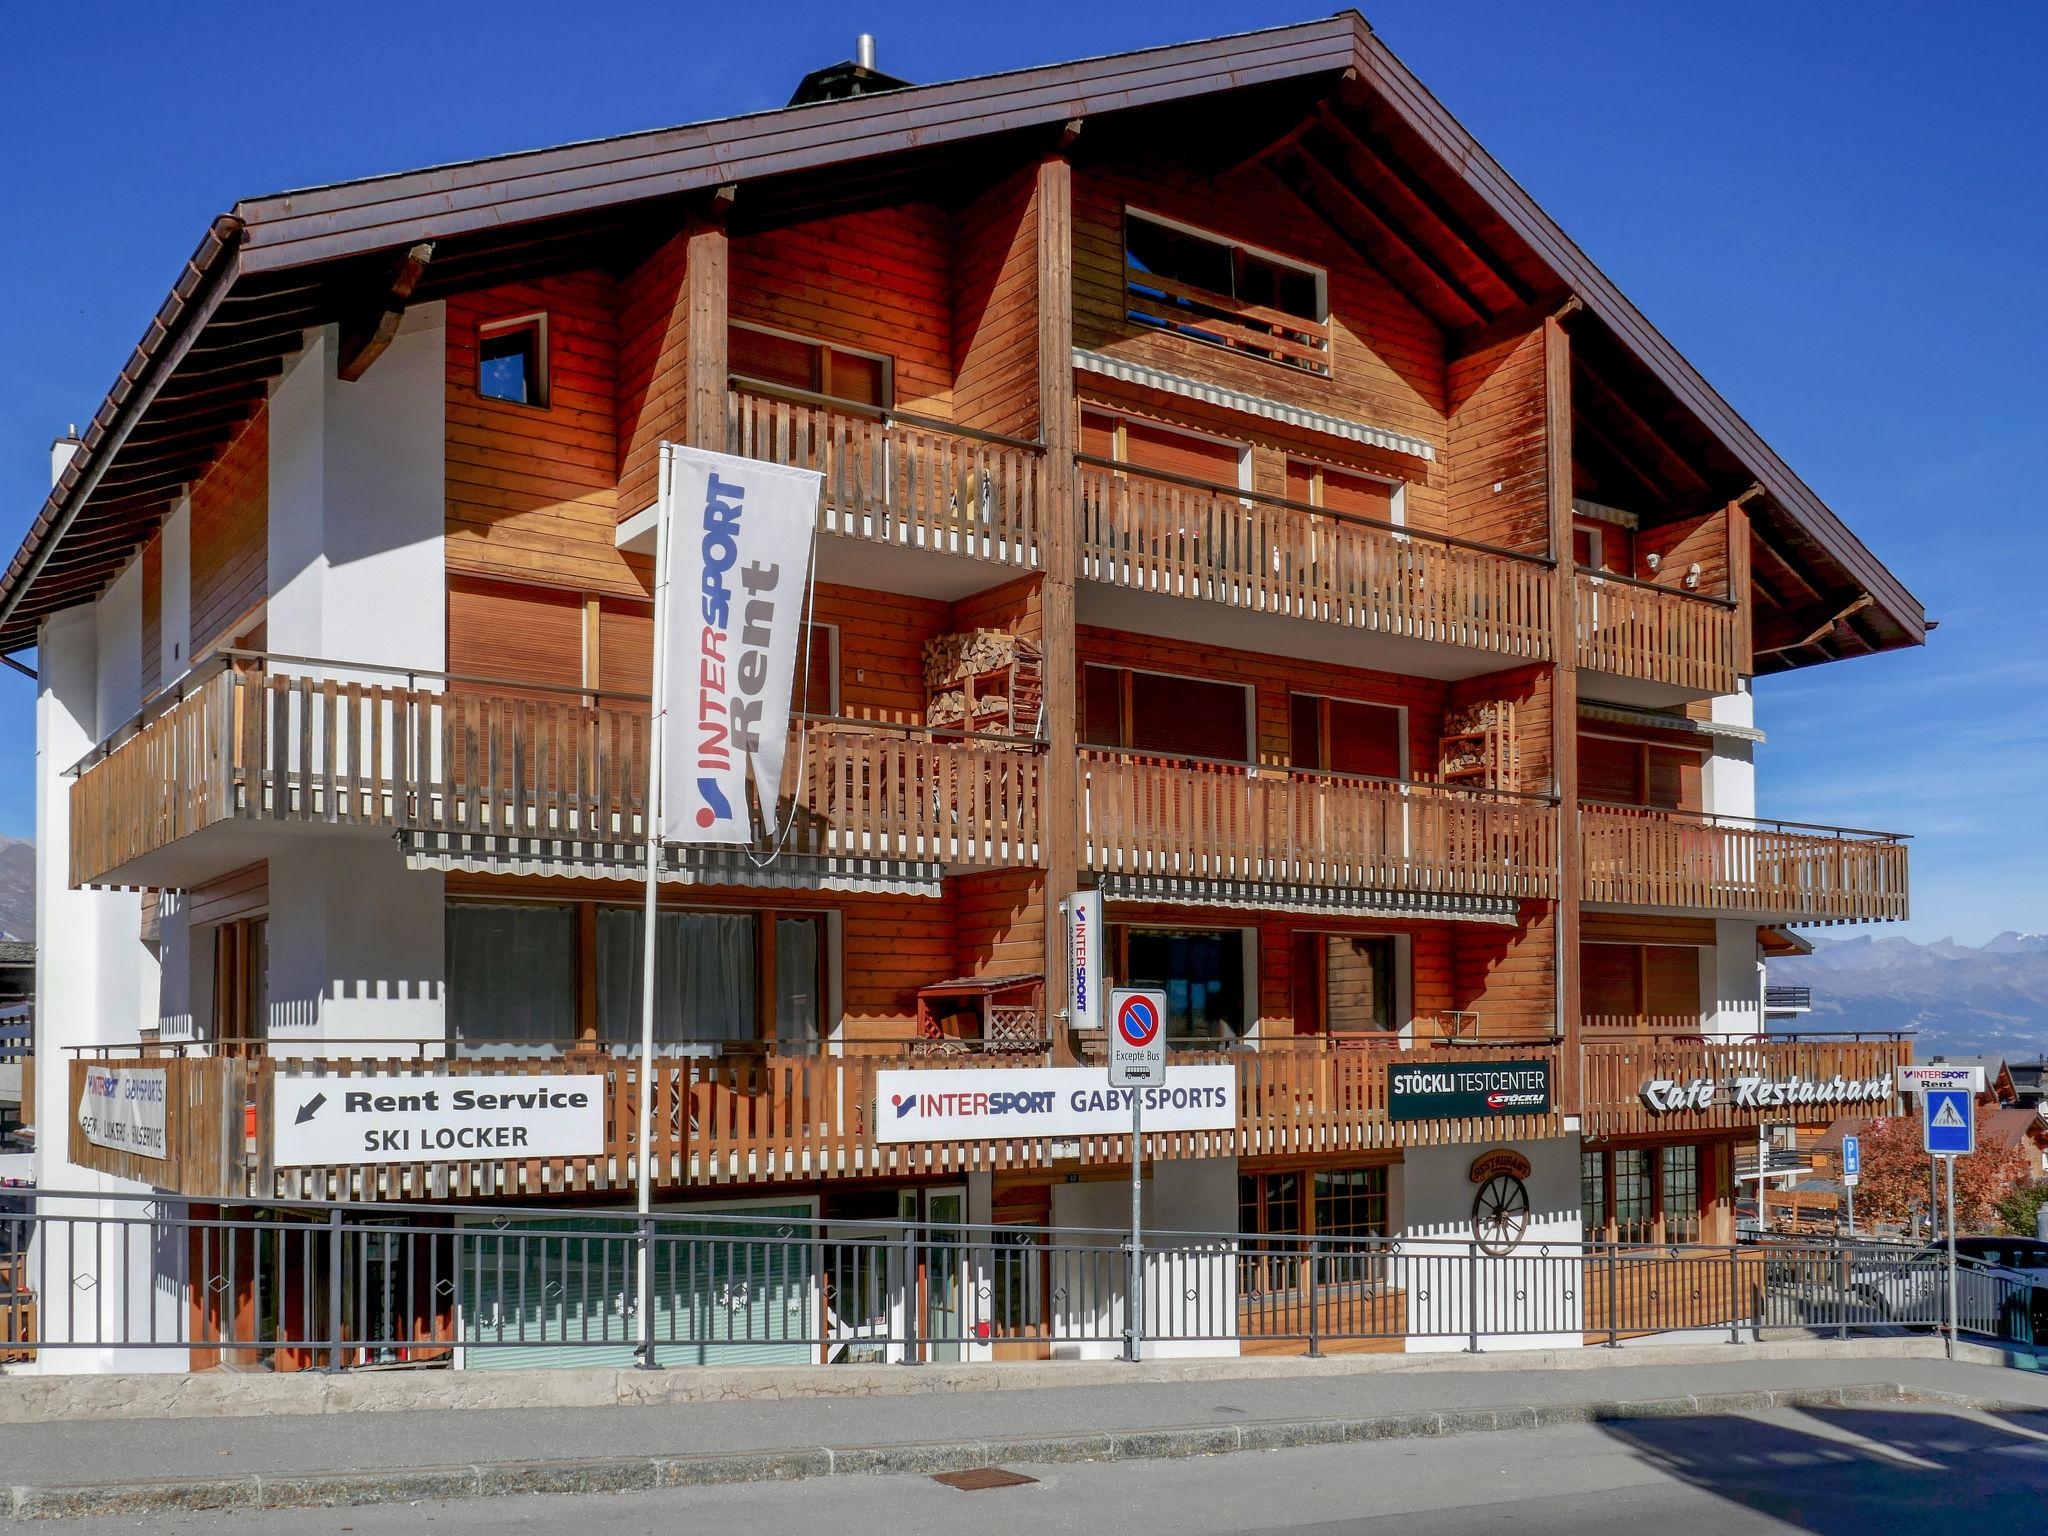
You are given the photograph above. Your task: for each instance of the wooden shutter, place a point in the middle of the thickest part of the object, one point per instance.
(1102, 706)
(1188, 717)
(625, 647)
(1673, 778)
(1610, 770)
(523, 634)
(1358, 495)
(1671, 982)
(1364, 738)
(1176, 453)
(776, 359)
(1098, 435)
(1610, 981)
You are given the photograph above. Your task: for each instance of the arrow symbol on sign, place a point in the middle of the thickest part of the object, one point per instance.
(310, 1108)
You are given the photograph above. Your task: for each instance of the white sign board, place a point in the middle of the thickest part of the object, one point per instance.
(1137, 1037)
(1084, 960)
(323, 1121)
(1918, 1079)
(1024, 1102)
(124, 1108)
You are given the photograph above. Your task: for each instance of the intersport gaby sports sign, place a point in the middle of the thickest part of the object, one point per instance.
(1002, 1103)
(738, 554)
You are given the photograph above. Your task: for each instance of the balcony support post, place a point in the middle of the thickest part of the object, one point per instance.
(704, 290)
(1564, 685)
(1060, 787)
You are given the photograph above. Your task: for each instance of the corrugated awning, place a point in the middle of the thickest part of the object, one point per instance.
(1621, 714)
(562, 858)
(1280, 896)
(1252, 405)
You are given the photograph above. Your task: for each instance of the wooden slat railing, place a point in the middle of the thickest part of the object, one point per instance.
(1193, 820)
(1228, 321)
(764, 1117)
(1657, 634)
(289, 747)
(1614, 1073)
(892, 479)
(1635, 856)
(1159, 533)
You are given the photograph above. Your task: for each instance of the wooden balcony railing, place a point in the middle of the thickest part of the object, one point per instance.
(895, 479)
(255, 742)
(1634, 856)
(1194, 819)
(1651, 1083)
(762, 1117)
(1227, 321)
(1657, 634)
(1156, 532)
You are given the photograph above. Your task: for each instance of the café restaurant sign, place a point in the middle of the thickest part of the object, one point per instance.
(1664, 1095)
(1003, 1103)
(1447, 1090)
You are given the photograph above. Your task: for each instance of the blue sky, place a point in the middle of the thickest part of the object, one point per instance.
(1835, 209)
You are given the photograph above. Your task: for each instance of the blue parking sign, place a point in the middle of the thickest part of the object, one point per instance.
(1852, 1157)
(1948, 1122)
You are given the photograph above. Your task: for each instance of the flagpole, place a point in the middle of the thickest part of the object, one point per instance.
(650, 935)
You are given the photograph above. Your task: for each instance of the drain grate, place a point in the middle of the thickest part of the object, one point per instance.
(977, 1478)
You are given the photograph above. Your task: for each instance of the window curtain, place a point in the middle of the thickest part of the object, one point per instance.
(511, 977)
(797, 981)
(704, 977)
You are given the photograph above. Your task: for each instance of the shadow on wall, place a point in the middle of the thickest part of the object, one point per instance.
(1855, 1471)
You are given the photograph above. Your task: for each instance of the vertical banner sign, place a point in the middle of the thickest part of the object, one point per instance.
(1084, 960)
(739, 543)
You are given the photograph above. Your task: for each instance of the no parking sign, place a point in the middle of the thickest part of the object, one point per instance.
(1137, 1037)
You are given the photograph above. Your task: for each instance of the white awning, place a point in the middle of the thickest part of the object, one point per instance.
(1252, 405)
(1281, 896)
(560, 858)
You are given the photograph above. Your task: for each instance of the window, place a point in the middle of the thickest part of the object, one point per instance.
(1634, 1203)
(1344, 984)
(1167, 450)
(1225, 293)
(512, 360)
(816, 367)
(511, 976)
(1351, 1202)
(1341, 1204)
(1603, 547)
(1160, 713)
(1593, 1194)
(1346, 736)
(1680, 1196)
(1631, 772)
(1642, 1195)
(1632, 985)
(721, 977)
(1201, 972)
(1345, 491)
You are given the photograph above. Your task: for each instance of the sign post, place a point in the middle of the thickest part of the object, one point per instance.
(1852, 1171)
(1948, 1125)
(1137, 1061)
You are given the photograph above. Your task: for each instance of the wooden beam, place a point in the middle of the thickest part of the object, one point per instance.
(1517, 323)
(706, 265)
(1564, 697)
(1809, 626)
(1611, 400)
(371, 325)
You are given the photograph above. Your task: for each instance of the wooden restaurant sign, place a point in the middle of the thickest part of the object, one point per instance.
(1449, 1090)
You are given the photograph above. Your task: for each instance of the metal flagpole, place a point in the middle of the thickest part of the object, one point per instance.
(1950, 1162)
(650, 926)
(1134, 1336)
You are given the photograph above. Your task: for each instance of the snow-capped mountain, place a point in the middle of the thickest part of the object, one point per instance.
(1960, 999)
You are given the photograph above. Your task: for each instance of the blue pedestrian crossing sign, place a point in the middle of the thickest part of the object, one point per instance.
(1949, 1124)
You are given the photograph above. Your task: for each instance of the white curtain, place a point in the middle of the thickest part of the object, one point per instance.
(511, 977)
(704, 977)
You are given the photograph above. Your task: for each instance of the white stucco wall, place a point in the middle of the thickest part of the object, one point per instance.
(1728, 784)
(356, 946)
(1732, 982)
(174, 637)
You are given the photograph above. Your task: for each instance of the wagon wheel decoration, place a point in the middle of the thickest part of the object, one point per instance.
(1500, 1214)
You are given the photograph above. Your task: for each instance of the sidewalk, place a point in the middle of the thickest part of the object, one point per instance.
(362, 1457)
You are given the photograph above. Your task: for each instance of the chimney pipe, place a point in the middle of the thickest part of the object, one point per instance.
(61, 451)
(864, 50)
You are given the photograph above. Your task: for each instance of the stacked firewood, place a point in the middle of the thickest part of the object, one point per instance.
(982, 680)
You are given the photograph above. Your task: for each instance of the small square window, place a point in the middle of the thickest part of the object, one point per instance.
(511, 361)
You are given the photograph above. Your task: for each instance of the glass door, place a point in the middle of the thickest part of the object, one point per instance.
(945, 1262)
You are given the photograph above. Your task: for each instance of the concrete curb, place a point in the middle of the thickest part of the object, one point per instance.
(621, 1474)
(43, 1399)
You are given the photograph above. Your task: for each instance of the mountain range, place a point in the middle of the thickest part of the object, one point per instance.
(1958, 1000)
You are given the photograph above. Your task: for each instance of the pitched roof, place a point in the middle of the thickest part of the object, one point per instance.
(278, 264)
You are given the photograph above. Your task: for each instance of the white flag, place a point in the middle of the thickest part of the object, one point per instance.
(739, 549)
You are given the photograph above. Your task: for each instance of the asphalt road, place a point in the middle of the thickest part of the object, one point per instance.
(1835, 1471)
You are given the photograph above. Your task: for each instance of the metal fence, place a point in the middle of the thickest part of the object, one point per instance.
(338, 1287)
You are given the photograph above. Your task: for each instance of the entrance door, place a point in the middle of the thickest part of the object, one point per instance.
(241, 972)
(944, 1264)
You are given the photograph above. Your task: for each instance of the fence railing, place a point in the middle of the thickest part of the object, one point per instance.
(274, 740)
(1156, 532)
(1194, 819)
(1657, 634)
(335, 1287)
(1639, 856)
(899, 480)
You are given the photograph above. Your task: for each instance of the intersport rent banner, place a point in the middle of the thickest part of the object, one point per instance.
(739, 548)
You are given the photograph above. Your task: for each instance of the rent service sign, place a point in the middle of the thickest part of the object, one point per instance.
(1022, 1102)
(124, 1108)
(1444, 1090)
(320, 1121)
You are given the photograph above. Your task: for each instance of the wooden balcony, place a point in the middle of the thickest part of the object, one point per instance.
(1783, 871)
(1654, 634)
(1154, 532)
(1199, 820)
(1644, 1083)
(263, 741)
(769, 1117)
(903, 481)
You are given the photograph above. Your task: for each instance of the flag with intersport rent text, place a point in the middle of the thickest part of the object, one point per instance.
(739, 550)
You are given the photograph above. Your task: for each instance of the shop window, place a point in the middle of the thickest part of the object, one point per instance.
(1159, 713)
(815, 367)
(1635, 1211)
(1344, 1205)
(1344, 984)
(511, 977)
(512, 360)
(1347, 736)
(1201, 972)
(1680, 1196)
(1593, 1194)
(1641, 1195)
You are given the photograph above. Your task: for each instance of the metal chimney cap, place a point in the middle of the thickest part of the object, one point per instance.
(864, 50)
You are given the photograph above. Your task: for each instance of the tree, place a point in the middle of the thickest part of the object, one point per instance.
(1894, 1184)
(2017, 1211)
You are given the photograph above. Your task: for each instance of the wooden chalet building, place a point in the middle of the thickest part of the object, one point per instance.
(1239, 498)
